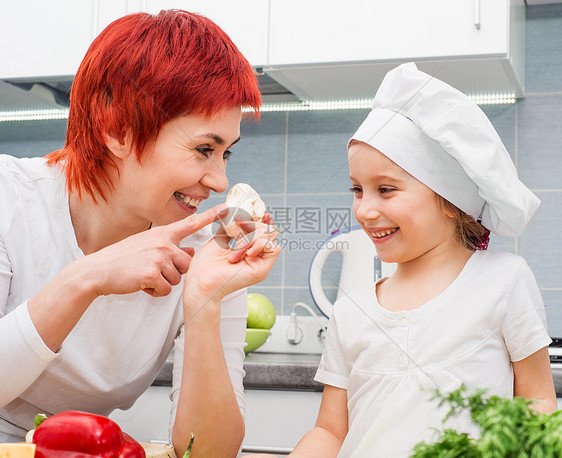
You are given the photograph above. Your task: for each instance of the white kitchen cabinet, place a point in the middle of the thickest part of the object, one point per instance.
(107, 11)
(336, 50)
(363, 30)
(148, 419)
(44, 39)
(277, 419)
(244, 21)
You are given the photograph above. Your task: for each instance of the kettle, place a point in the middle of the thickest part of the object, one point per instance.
(360, 265)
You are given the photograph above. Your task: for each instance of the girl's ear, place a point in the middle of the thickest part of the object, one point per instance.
(119, 145)
(449, 214)
(446, 207)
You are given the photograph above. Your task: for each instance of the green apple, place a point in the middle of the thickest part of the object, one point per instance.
(261, 312)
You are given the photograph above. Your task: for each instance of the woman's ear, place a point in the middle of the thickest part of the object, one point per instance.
(119, 145)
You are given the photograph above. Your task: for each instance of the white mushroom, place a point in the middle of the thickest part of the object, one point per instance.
(245, 204)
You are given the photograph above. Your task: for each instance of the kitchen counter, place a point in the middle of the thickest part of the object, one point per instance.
(294, 372)
(557, 377)
(274, 371)
(281, 371)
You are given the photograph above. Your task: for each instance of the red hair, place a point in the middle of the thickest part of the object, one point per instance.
(140, 72)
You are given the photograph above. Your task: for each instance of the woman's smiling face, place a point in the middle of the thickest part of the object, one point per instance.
(180, 169)
(400, 214)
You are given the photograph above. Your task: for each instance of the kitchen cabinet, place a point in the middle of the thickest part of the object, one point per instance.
(363, 30)
(275, 419)
(44, 39)
(338, 50)
(107, 11)
(148, 419)
(317, 50)
(244, 21)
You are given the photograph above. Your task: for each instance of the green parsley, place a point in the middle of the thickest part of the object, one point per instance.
(510, 429)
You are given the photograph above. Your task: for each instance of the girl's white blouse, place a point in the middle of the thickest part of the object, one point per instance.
(391, 363)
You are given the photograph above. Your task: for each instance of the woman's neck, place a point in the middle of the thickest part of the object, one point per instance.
(97, 225)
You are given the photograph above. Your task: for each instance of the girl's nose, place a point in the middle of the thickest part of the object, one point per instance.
(366, 210)
(215, 177)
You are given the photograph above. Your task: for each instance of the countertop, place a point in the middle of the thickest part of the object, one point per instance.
(277, 371)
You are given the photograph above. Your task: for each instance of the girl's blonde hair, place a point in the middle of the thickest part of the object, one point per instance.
(467, 231)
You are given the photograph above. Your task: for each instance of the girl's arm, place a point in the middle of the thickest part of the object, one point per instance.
(207, 404)
(533, 380)
(327, 436)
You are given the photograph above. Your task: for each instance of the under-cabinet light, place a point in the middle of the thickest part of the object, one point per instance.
(480, 99)
(318, 106)
(493, 99)
(34, 115)
(62, 113)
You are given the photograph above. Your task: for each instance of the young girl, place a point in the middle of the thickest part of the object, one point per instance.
(431, 178)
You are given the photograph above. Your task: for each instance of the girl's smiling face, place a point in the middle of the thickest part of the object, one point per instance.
(179, 169)
(400, 214)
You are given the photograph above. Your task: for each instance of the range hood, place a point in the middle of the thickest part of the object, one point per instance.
(313, 83)
(48, 94)
(34, 95)
(475, 77)
(309, 83)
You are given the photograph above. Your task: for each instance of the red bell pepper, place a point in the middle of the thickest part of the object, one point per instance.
(74, 434)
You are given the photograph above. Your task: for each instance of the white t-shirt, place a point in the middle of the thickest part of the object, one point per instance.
(119, 345)
(391, 363)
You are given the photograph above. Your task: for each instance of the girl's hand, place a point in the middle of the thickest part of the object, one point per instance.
(150, 261)
(217, 269)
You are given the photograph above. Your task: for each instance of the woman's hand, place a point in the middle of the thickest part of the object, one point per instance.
(217, 269)
(150, 261)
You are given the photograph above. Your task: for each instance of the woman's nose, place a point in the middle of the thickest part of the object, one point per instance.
(215, 177)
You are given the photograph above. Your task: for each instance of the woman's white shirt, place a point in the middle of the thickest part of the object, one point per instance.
(119, 345)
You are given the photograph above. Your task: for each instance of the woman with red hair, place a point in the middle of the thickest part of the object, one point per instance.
(95, 238)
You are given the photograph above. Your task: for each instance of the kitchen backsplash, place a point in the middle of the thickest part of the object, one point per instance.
(297, 162)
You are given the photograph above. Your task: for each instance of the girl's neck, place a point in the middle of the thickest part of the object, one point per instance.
(97, 225)
(418, 281)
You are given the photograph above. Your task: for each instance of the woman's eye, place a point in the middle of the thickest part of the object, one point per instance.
(226, 155)
(204, 150)
(355, 189)
(384, 190)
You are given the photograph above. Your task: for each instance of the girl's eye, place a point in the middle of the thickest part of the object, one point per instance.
(205, 151)
(355, 189)
(226, 155)
(384, 190)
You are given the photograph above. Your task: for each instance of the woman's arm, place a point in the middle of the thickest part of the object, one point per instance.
(151, 261)
(327, 436)
(533, 380)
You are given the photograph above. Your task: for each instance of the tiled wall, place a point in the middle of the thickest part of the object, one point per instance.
(297, 162)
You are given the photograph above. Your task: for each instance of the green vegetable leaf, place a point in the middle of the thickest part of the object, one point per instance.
(188, 451)
(510, 428)
(39, 418)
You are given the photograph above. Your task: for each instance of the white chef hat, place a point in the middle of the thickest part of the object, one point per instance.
(441, 137)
